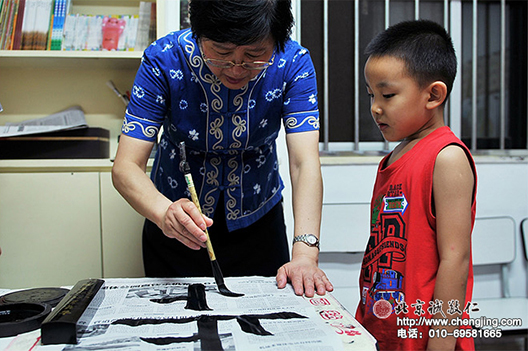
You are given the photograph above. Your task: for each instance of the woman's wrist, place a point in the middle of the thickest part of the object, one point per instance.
(302, 251)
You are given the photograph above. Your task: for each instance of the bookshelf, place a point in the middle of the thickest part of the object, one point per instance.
(12, 59)
(36, 83)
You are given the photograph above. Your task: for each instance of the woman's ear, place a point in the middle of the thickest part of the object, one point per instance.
(437, 94)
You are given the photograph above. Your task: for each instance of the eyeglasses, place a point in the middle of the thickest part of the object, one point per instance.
(254, 65)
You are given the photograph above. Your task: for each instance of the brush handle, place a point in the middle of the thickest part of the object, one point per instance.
(194, 197)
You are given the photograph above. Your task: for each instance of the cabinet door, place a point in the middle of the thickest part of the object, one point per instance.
(346, 207)
(122, 227)
(49, 229)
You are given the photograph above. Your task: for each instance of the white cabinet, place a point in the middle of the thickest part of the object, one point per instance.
(49, 229)
(57, 228)
(121, 234)
(346, 206)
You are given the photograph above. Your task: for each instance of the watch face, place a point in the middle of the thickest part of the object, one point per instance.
(312, 239)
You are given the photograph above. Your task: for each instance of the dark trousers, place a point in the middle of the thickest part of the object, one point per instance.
(259, 249)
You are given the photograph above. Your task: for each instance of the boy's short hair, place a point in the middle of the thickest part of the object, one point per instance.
(424, 46)
(242, 22)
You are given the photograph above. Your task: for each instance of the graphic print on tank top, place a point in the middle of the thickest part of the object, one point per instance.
(385, 254)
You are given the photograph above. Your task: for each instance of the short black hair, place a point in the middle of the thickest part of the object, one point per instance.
(424, 46)
(242, 22)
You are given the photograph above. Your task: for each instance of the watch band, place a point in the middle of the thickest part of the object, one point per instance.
(309, 239)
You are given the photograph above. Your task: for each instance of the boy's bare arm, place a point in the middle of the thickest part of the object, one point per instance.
(453, 183)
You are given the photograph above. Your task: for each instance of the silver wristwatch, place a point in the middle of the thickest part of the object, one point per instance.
(308, 239)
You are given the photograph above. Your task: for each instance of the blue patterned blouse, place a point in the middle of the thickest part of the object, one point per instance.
(229, 134)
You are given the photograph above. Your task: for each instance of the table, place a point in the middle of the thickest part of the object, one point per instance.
(149, 313)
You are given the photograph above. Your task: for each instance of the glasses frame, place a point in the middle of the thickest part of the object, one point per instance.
(225, 64)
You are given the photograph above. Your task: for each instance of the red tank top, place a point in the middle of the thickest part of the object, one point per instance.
(401, 259)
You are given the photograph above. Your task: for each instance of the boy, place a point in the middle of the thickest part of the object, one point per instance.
(417, 265)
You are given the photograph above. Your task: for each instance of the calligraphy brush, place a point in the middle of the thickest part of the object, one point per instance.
(217, 272)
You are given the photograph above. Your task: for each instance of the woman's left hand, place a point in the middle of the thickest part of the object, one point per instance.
(305, 276)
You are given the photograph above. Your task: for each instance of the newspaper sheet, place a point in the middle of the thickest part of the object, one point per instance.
(71, 118)
(190, 314)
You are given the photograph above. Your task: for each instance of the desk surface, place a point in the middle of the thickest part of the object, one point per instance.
(316, 322)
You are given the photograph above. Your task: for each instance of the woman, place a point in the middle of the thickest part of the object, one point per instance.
(224, 87)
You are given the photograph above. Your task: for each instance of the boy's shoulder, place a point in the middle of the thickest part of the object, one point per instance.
(428, 147)
(439, 138)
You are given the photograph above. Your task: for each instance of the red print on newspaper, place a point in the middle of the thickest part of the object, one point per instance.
(330, 315)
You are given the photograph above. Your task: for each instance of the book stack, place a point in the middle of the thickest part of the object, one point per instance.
(146, 30)
(57, 31)
(50, 25)
(8, 21)
(90, 32)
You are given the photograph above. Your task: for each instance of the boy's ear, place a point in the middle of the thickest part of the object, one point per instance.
(437, 94)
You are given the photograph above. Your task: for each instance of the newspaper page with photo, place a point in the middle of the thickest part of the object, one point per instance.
(190, 314)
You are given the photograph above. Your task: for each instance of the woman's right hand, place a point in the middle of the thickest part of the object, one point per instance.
(184, 222)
